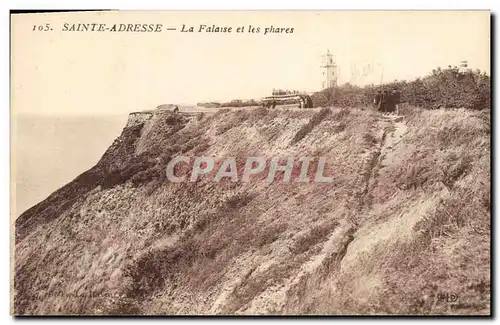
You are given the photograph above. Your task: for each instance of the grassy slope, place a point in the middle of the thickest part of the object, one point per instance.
(403, 221)
(428, 228)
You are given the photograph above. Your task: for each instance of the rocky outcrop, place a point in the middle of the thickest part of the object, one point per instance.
(138, 118)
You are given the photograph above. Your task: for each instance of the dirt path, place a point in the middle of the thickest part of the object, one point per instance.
(395, 132)
(192, 110)
(393, 129)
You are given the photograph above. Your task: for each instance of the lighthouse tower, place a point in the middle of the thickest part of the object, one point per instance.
(330, 74)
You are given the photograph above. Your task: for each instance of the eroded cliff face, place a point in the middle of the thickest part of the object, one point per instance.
(406, 218)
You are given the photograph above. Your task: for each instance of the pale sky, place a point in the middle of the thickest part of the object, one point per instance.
(58, 72)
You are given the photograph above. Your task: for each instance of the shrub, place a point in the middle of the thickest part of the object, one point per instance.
(449, 88)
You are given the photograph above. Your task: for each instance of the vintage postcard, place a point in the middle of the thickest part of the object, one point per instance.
(251, 163)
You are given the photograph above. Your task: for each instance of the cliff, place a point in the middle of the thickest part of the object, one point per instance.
(406, 220)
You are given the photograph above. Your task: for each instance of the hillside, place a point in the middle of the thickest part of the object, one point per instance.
(406, 219)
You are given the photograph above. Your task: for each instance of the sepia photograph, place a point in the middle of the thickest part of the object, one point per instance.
(250, 163)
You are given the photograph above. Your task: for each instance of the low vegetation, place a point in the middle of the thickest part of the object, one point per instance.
(446, 88)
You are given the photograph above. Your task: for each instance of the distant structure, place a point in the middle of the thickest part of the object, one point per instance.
(463, 66)
(330, 74)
